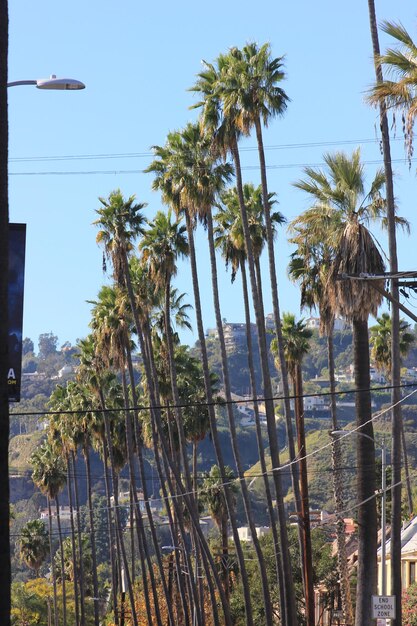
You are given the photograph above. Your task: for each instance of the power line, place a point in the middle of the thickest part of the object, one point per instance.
(150, 154)
(223, 402)
(140, 171)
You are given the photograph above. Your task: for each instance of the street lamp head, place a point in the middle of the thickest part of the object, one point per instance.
(59, 83)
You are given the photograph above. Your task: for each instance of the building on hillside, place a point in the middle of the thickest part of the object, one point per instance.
(245, 534)
(339, 324)
(64, 515)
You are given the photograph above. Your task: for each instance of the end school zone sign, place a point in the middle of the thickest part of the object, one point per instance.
(383, 607)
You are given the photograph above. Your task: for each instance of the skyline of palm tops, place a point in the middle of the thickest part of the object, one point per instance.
(102, 408)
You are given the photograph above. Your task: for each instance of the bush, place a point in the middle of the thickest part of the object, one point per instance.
(410, 606)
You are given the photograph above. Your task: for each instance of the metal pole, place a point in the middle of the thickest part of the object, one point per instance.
(383, 522)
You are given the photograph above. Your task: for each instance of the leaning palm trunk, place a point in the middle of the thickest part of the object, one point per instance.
(139, 453)
(305, 508)
(119, 530)
(80, 545)
(235, 448)
(367, 518)
(338, 490)
(73, 544)
(138, 517)
(151, 378)
(278, 329)
(259, 440)
(290, 608)
(396, 417)
(52, 562)
(208, 562)
(63, 582)
(111, 531)
(86, 451)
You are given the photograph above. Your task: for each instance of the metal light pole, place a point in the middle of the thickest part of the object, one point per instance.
(344, 433)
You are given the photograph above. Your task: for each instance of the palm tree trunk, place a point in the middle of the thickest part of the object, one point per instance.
(305, 507)
(73, 544)
(119, 529)
(111, 532)
(206, 370)
(261, 451)
(80, 545)
(290, 609)
(86, 451)
(338, 490)
(139, 453)
(138, 515)
(396, 417)
(53, 572)
(367, 517)
(132, 536)
(235, 448)
(152, 382)
(5, 571)
(63, 582)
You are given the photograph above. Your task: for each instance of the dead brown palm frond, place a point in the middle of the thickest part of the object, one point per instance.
(357, 254)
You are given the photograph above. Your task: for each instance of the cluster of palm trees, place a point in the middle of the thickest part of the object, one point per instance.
(167, 410)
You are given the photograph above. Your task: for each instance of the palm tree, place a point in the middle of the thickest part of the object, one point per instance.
(34, 544)
(341, 202)
(212, 495)
(229, 238)
(5, 575)
(189, 177)
(381, 353)
(93, 374)
(380, 340)
(49, 476)
(400, 62)
(223, 126)
(111, 325)
(309, 267)
(296, 345)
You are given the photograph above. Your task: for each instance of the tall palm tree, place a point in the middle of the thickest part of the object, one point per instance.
(309, 267)
(401, 63)
(34, 544)
(49, 476)
(339, 197)
(5, 571)
(223, 127)
(212, 495)
(229, 238)
(190, 178)
(94, 375)
(111, 325)
(296, 345)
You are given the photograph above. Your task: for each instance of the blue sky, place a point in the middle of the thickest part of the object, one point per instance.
(137, 60)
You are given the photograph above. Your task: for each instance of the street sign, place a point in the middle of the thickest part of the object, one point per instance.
(383, 607)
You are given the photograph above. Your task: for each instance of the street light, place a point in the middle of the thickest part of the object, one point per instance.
(51, 83)
(344, 433)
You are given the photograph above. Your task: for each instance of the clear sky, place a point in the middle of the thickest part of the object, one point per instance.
(137, 60)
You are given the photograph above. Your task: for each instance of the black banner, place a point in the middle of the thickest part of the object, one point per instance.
(17, 241)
